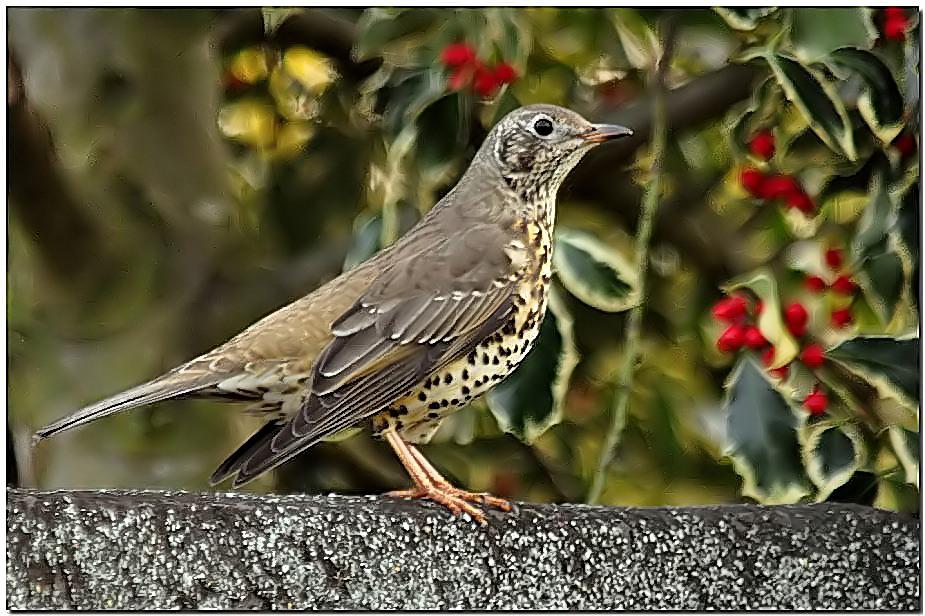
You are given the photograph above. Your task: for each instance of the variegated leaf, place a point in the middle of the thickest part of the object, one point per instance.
(595, 272)
(831, 454)
(761, 433)
(817, 100)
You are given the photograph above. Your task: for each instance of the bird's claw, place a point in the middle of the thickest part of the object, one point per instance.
(458, 501)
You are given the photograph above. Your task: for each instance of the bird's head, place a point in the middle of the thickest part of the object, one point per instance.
(536, 146)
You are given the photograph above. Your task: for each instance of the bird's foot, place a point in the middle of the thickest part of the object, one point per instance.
(457, 500)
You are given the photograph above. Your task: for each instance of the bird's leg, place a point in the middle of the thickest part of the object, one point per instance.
(431, 485)
(440, 481)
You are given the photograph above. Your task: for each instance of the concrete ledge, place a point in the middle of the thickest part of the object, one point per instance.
(164, 550)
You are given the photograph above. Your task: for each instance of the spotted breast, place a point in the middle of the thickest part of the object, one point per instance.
(418, 415)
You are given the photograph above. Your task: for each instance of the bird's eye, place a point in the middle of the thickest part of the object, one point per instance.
(543, 127)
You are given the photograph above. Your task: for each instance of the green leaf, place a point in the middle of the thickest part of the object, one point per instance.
(367, 241)
(594, 272)
(909, 218)
(770, 322)
(378, 28)
(274, 17)
(876, 221)
(831, 455)
(906, 447)
(639, 42)
(529, 401)
(881, 105)
(882, 278)
(407, 94)
(889, 364)
(761, 435)
(876, 251)
(817, 32)
(741, 18)
(817, 101)
(909, 227)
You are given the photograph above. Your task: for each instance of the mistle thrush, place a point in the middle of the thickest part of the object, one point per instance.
(412, 334)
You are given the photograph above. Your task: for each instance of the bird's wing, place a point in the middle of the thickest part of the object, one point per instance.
(427, 309)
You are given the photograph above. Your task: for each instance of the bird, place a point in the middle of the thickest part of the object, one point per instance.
(411, 335)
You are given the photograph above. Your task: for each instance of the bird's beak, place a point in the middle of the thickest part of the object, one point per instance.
(600, 133)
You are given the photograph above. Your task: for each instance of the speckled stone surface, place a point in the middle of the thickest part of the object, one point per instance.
(162, 550)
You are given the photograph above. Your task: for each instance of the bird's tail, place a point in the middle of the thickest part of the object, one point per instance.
(171, 385)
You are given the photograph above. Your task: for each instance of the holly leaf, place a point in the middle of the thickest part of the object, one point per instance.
(380, 28)
(876, 252)
(770, 321)
(831, 454)
(817, 32)
(530, 400)
(906, 447)
(742, 18)
(595, 272)
(761, 433)
(881, 104)
(817, 100)
(891, 365)
(882, 278)
(876, 221)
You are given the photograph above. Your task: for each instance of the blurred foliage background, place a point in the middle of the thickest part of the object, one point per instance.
(176, 174)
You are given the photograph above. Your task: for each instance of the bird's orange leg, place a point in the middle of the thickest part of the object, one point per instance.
(432, 485)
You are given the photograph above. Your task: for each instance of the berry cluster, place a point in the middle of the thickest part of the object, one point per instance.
(773, 186)
(465, 69)
(742, 332)
(842, 285)
(894, 23)
(739, 314)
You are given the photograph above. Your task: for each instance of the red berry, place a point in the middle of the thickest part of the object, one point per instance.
(892, 12)
(731, 340)
(895, 26)
(801, 201)
(753, 338)
(813, 356)
(814, 284)
(485, 83)
(834, 258)
(457, 54)
(730, 309)
(779, 187)
(751, 180)
(816, 402)
(842, 317)
(844, 285)
(796, 317)
(505, 73)
(762, 144)
(905, 144)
